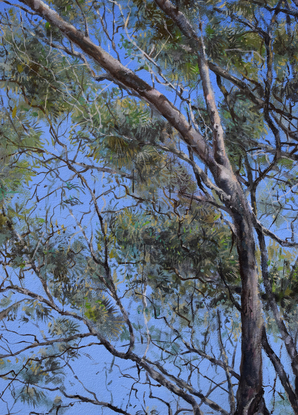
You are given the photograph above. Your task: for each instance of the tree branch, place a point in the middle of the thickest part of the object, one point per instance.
(281, 372)
(128, 78)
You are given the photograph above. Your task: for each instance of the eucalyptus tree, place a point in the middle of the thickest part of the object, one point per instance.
(149, 159)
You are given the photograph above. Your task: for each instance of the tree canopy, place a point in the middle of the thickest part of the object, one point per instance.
(148, 208)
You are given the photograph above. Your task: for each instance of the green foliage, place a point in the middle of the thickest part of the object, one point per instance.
(101, 210)
(31, 395)
(175, 253)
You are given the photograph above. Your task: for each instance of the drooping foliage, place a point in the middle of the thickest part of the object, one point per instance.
(118, 252)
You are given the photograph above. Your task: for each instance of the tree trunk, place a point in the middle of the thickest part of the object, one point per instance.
(250, 391)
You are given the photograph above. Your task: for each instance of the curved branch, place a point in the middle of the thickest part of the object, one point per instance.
(284, 379)
(128, 78)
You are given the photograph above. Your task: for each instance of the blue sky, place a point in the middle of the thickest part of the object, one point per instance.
(99, 359)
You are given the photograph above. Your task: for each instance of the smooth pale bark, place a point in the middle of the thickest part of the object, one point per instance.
(250, 391)
(126, 77)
